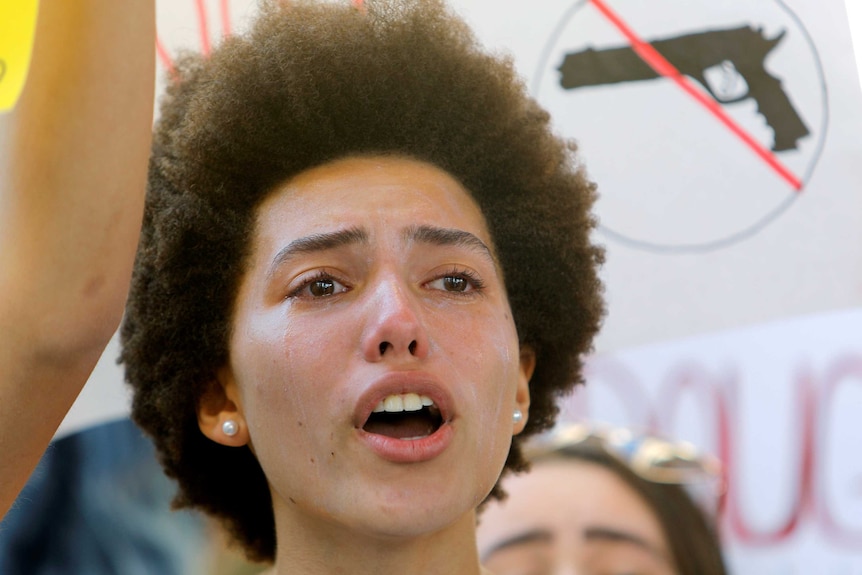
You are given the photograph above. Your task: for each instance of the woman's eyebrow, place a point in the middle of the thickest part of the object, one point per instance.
(611, 534)
(449, 237)
(522, 538)
(317, 243)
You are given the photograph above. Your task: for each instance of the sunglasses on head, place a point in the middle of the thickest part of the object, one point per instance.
(651, 457)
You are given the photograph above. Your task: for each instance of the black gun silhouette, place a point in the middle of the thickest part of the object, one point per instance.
(740, 51)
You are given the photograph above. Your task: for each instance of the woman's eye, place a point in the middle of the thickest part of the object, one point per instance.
(456, 283)
(319, 287)
(451, 283)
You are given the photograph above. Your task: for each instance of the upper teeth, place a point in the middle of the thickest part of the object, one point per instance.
(403, 402)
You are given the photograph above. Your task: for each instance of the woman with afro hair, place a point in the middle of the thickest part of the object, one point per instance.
(364, 276)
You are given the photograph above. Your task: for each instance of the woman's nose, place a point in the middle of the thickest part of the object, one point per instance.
(394, 327)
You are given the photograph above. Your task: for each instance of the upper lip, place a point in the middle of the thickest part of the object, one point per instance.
(400, 383)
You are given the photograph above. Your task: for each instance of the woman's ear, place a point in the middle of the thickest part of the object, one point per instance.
(522, 393)
(220, 415)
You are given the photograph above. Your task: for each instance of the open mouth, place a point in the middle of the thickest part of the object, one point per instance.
(404, 416)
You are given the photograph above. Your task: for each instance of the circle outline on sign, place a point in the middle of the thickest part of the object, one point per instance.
(766, 219)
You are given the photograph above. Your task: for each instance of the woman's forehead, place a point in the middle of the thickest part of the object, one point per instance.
(373, 194)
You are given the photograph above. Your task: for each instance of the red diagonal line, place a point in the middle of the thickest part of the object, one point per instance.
(163, 55)
(225, 18)
(203, 25)
(661, 65)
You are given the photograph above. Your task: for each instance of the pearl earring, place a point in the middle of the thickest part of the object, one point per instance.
(517, 416)
(229, 427)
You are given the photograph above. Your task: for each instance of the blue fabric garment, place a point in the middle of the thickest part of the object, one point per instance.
(98, 504)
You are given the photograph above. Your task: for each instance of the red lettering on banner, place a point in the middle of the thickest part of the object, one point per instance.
(688, 377)
(845, 370)
(633, 396)
(813, 402)
(802, 503)
(711, 392)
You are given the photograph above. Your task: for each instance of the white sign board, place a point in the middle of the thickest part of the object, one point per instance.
(714, 214)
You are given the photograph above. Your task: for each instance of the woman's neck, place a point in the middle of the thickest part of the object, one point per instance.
(325, 548)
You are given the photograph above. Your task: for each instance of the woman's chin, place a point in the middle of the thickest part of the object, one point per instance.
(394, 515)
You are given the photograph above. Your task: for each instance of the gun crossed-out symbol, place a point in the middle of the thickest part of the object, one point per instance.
(712, 58)
(670, 115)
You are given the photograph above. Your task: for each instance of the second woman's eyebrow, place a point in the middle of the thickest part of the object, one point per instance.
(612, 534)
(318, 243)
(522, 538)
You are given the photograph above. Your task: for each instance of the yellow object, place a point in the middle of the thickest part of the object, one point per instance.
(17, 27)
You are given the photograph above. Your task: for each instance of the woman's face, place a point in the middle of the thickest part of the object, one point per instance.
(568, 517)
(374, 363)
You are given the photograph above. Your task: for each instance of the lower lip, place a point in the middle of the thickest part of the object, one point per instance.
(409, 450)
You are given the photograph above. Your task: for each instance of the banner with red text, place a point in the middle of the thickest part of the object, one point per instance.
(780, 404)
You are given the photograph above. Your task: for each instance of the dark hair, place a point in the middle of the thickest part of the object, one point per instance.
(691, 535)
(309, 84)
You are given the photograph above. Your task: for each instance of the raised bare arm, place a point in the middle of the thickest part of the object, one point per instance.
(71, 197)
